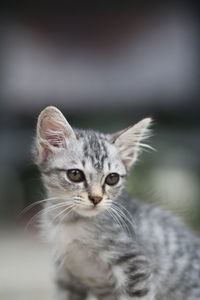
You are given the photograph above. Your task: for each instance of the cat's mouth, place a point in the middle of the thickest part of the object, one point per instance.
(90, 210)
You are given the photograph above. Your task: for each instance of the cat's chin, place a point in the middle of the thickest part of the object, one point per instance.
(90, 212)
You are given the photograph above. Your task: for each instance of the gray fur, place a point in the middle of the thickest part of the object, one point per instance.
(121, 249)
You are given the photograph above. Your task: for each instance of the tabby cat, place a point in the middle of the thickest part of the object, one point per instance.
(106, 245)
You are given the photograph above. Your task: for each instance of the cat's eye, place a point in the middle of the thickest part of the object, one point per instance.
(112, 179)
(76, 175)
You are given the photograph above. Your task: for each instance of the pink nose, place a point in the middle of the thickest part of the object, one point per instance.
(95, 199)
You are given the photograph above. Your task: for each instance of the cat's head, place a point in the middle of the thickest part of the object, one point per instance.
(84, 168)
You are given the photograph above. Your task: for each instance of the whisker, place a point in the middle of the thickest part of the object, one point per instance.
(78, 198)
(67, 213)
(78, 202)
(128, 223)
(122, 222)
(36, 203)
(60, 213)
(121, 207)
(45, 209)
(126, 212)
(115, 219)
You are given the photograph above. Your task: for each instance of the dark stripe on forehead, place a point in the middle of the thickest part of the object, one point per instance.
(104, 149)
(85, 149)
(94, 148)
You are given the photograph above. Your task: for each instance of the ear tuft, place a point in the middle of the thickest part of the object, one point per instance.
(128, 141)
(53, 132)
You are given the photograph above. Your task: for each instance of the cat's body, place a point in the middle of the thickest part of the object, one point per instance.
(162, 257)
(106, 244)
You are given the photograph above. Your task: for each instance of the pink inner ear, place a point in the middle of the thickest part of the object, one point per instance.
(55, 139)
(54, 133)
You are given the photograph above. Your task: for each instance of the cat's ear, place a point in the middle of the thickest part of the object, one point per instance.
(53, 132)
(129, 141)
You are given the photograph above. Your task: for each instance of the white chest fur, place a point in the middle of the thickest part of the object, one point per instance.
(73, 246)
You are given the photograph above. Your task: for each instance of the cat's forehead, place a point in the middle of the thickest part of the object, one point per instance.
(95, 147)
(91, 151)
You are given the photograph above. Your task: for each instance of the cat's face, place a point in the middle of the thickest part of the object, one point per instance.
(84, 169)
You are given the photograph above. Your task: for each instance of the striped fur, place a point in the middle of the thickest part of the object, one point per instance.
(119, 249)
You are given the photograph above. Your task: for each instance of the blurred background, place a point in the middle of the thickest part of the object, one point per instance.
(106, 66)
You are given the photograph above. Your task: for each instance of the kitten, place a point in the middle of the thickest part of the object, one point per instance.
(107, 245)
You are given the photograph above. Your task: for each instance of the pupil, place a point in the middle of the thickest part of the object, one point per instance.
(112, 179)
(76, 175)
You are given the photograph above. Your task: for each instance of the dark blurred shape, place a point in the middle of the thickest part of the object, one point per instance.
(105, 65)
(134, 54)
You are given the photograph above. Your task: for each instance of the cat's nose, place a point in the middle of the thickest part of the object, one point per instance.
(95, 199)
